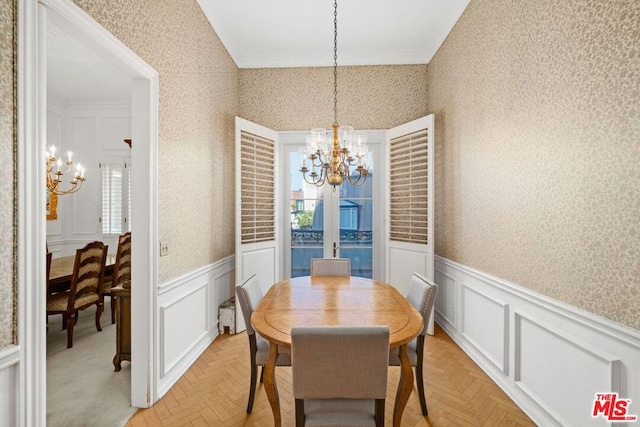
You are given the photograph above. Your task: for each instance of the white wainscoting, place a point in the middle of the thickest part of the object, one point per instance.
(549, 357)
(9, 358)
(188, 317)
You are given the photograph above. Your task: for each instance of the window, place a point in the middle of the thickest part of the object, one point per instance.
(116, 197)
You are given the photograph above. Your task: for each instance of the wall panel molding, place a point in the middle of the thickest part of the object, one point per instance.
(188, 313)
(556, 357)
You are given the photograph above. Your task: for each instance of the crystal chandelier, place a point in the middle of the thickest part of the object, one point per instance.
(56, 169)
(343, 157)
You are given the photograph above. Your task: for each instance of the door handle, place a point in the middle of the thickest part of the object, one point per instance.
(335, 249)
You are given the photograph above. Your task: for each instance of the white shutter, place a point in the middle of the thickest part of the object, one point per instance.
(257, 230)
(410, 246)
(116, 199)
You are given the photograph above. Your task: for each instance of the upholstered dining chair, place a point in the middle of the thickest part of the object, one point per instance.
(422, 295)
(331, 267)
(88, 273)
(249, 295)
(340, 374)
(121, 271)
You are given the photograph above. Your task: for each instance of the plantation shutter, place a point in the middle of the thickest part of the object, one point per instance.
(410, 203)
(257, 188)
(408, 178)
(116, 197)
(257, 213)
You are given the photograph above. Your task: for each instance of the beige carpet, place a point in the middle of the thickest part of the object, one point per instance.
(82, 387)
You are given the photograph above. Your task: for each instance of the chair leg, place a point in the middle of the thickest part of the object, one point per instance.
(380, 412)
(300, 413)
(419, 375)
(113, 310)
(262, 374)
(71, 321)
(253, 348)
(99, 311)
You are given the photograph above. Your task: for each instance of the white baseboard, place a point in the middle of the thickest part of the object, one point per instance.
(549, 357)
(188, 318)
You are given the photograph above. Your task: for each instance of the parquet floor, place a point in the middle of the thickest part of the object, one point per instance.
(214, 392)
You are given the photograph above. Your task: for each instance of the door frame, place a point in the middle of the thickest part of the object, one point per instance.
(376, 142)
(31, 231)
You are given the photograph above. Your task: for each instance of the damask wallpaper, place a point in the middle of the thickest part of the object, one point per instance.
(197, 105)
(369, 97)
(537, 109)
(7, 141)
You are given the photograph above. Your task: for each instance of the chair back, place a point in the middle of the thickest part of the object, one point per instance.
(49, 258)
(122, 267)
(88, 272)
(348, 362)
(331, 267)
(249, 295)
(422, 295)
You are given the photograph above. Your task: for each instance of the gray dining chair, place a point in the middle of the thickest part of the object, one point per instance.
(249, 295)
(422, 295)
(340, 374)
(331, 267)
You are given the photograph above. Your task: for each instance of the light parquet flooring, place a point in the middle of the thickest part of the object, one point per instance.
(215, 389)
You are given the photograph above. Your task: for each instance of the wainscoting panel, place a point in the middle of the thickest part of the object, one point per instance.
(549, 357)
(573, 382)
(9, 358)
(447, 298)
(483, 317)
(188, 318)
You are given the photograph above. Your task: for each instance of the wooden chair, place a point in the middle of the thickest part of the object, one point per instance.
(121, 271)
(86, 282)
(249, 295)
(340, 374)
(422, 295)
(331, 267)
(49, 258)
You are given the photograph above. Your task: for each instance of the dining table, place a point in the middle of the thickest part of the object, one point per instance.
(339, 301)
(62, 271)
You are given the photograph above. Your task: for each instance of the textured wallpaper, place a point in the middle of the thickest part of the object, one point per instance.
(7, 142)
(198, 103)
(377, 97)
(537, 110)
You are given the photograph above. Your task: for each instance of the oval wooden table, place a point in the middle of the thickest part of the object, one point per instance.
(329, 300)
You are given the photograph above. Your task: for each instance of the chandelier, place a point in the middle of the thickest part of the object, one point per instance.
(343, 157)
(56, 170)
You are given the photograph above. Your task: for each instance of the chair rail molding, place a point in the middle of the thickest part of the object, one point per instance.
(549, 357)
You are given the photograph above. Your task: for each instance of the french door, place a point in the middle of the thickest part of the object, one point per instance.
(323, 223)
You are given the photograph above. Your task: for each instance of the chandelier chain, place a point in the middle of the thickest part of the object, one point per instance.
(335, 62)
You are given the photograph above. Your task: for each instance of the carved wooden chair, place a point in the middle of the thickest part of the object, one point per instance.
(331, 267)
(340, 374)
(422, 295)
(249, 295)
(121, 271)
(86, 281)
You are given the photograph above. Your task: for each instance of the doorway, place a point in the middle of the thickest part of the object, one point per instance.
(322, 223)
(32, 53)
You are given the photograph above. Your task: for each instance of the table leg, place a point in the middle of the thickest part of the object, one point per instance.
(404, 386)
(270, 386)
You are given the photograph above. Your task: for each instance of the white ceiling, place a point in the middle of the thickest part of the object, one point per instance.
(273, 33)
(75, 73)
(299, 33)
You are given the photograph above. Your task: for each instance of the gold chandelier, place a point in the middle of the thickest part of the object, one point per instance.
(56, 170)
(344, 156)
